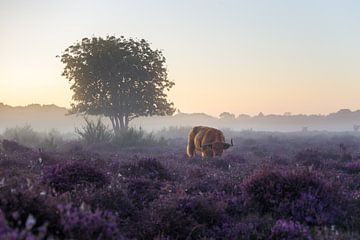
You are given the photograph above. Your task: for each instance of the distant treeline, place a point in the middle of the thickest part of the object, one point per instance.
(46, 117)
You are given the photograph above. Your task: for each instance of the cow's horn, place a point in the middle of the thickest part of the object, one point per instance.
(205, 145)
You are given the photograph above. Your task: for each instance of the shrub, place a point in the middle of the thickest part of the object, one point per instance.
(24, 135)
(132, 137)
(12, 146)
(52, 141)
(300, 195)
(289, 230)
(65, 177)
(85, 224)
(94, 132)
(148, 168)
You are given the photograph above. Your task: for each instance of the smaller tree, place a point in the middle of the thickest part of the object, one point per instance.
(227, 115)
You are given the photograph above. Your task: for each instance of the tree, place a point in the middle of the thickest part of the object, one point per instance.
(117, 77)
(227, 115)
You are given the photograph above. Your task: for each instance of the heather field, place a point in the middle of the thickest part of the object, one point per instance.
(268, 186)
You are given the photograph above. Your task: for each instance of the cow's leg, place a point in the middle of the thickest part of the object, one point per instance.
(191, 146)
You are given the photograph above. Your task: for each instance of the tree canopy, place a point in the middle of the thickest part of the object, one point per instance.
(119, 78)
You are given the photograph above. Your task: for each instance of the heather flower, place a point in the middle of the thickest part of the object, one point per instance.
(25, 211)
(113, 199)
(299, 195)
(86, 224)
(142, 191)
(149, 168)
(66, 177)
(289, 230)
(352, 167)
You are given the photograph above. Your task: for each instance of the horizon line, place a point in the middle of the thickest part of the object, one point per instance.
(285, 114)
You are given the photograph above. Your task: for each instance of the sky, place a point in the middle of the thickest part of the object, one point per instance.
(237, 56)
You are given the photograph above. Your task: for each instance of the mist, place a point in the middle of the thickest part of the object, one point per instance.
(48, 117)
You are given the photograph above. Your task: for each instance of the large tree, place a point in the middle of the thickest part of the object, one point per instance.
(119, 78)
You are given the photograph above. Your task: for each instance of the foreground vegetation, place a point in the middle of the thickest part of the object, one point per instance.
(269, 186)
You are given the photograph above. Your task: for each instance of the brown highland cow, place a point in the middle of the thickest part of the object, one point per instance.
(210, 142)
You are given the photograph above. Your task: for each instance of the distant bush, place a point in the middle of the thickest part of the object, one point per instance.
(298, 195)
(27, 136)
(94, 132)
(65, 177)
(12, 146)
(24, 135)
(52, 141)
(136, 138)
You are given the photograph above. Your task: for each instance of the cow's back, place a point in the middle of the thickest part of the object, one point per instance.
(206, 135)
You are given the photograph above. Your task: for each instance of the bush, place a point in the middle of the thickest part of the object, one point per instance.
(24, 135)
(66, 177)
(12, 146)
(52, 141)
(299, 195)
(94, 132)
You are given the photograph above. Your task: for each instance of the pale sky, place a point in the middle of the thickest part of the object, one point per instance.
(225, 55)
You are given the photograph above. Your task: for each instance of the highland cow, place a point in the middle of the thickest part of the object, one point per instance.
(210, 142)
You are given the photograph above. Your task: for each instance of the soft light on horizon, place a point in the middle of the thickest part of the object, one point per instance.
(234, 56)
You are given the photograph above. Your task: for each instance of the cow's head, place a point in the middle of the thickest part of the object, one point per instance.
(215, 148)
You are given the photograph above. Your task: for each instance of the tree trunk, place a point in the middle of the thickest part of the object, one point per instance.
(126, 122)
(119, 123)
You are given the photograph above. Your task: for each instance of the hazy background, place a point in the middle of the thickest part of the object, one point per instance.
(237, 56)
(48, 117)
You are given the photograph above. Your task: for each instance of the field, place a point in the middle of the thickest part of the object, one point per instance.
(268, 186)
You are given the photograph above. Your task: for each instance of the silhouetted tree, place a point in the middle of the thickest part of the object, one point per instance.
(117, 77)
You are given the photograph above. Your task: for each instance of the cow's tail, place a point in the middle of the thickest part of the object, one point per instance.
(191, 144)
